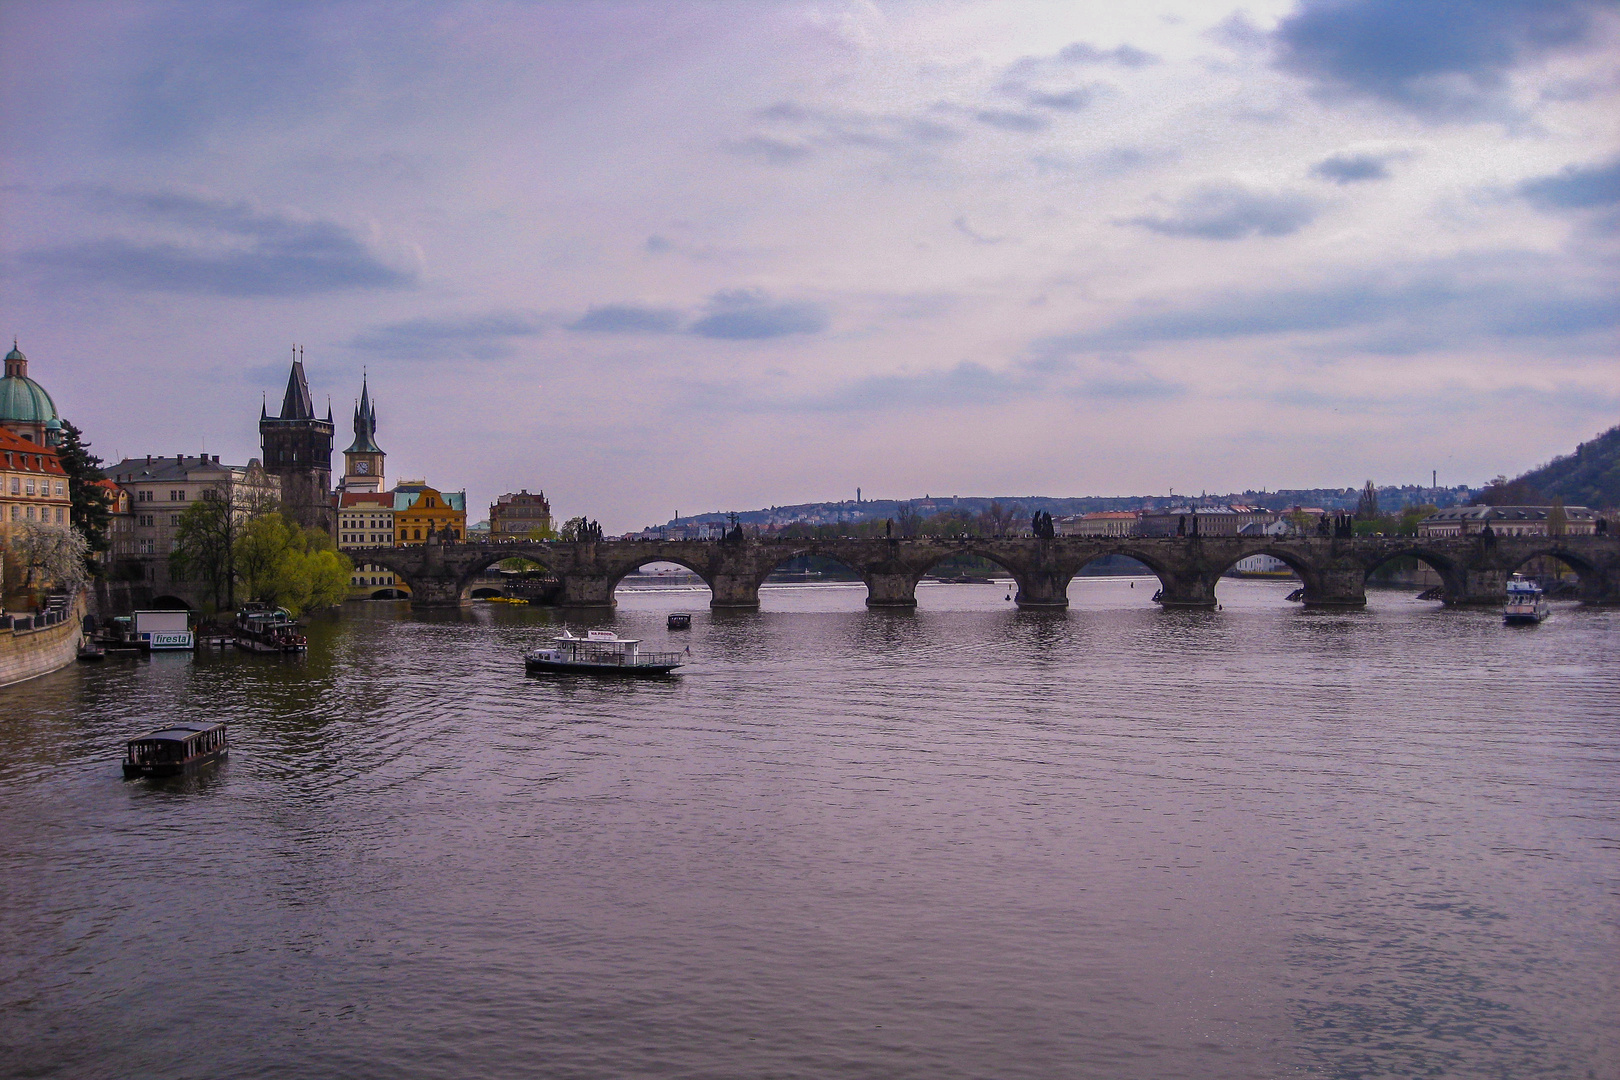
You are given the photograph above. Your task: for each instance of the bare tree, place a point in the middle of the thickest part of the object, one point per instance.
(907, 517)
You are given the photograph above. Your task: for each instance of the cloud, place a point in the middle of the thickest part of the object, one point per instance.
(229, 249)
(1396, 314)
(1353, 168)
(775, 151)
(1123, 55)
(746, 315)
(961, 225)
(1232, 212)
(1577, 187)
(628, 319)
(794, 132)
(1441, 59)
(1008, 120)
(966, 384)
(483, 336)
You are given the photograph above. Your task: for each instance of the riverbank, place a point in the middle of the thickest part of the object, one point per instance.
(29, 653)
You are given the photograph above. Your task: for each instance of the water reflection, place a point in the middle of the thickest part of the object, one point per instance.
(962, 841)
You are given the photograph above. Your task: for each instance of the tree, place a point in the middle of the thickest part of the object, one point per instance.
(1367, 505)
(1557, 519)
(293, 568)
(1000, 518)
(1504, 492)
(907, 519)
(205, 548)
(92, 505)
(50, 555)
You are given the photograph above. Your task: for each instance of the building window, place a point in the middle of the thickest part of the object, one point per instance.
(16, 513)
(30, 513)
(174, 519)
(59, 515)
(16, 485)
(30, 485)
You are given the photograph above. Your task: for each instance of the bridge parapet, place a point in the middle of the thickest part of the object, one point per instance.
(1333, 570)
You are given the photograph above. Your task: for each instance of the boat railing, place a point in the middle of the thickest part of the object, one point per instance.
(657, 658)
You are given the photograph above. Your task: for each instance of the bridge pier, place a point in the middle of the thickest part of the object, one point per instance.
(734, 592)
(1340, 587)
(891, 591)
(1043, 590)
(436, 592)
(1187, 589)
(1481, 587)
(587, 591)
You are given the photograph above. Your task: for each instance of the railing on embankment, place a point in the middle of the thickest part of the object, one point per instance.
(35, 645)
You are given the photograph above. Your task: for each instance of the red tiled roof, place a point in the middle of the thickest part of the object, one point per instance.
(13, 444)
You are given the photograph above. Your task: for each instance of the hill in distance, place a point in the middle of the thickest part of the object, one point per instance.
(1588, 477)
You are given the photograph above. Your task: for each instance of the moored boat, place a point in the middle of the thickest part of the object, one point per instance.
(680, 620)
(175, 750)
(600, 652)
(1526, 603)
(262, 628)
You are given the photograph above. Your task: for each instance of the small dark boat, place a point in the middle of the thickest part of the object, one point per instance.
(175, 750)
(680, 620)
(89, 652)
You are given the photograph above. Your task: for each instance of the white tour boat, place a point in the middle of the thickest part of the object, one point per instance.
(1526, 603)
(601, 652)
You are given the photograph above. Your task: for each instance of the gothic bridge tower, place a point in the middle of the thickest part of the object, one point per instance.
(297, 447)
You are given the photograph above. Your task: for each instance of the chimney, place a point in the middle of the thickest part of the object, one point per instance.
(149, 459)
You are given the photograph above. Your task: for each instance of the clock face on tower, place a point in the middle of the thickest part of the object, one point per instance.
(362, 467)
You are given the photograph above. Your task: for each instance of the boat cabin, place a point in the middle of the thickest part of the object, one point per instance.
(175, 750)
(601, 651)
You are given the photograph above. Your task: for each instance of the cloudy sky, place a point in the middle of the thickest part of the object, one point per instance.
(661, 257)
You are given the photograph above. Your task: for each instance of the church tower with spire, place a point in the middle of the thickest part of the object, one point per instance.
(363, 460)
(297, 447)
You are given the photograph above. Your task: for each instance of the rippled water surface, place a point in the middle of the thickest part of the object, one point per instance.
(960, 842)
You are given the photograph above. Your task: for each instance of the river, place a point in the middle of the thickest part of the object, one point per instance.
(961, 842)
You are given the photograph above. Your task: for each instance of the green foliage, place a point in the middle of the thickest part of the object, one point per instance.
(92, 506)
(297, 569)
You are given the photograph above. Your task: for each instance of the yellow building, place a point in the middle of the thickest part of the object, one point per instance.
(420, 511)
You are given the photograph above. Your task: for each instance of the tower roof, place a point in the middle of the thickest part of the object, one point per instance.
(296, 404)
(365, 424)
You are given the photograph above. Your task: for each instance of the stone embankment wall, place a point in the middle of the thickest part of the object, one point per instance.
(31, 653)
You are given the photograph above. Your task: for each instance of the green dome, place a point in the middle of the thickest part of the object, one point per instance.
(23, 399)
(15, 353)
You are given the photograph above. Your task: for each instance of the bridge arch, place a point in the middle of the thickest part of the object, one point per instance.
(625, 568)
(1038, 583)
(1452, 576)
(1594, 585)
(1309, 574)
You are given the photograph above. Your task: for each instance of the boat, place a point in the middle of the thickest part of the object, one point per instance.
(600, 652)
(175, 750)
(680, 620)
(263, 629)
(1526, 603)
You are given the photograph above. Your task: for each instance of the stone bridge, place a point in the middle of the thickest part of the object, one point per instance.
(1334, 570)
